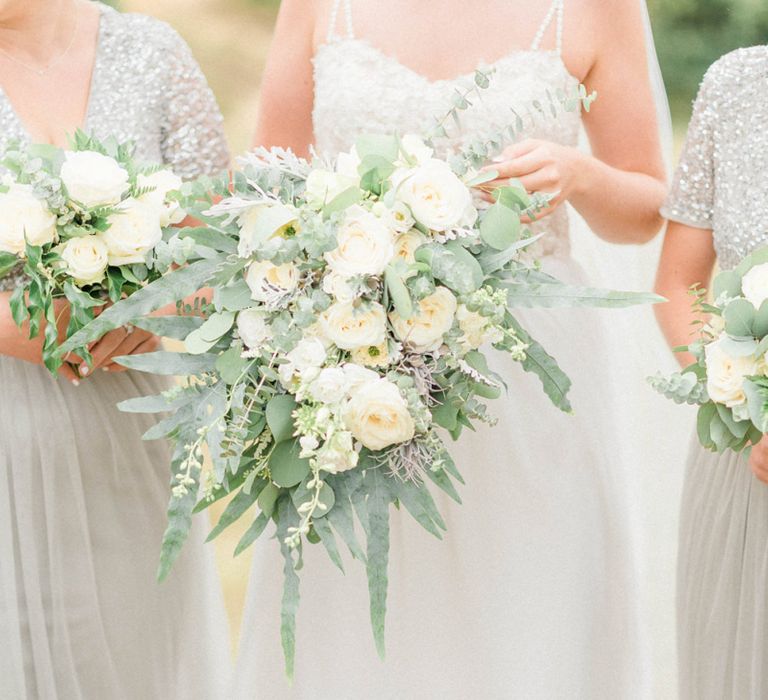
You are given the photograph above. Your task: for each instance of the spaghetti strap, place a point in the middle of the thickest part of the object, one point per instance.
(334, 18)
(556, 13)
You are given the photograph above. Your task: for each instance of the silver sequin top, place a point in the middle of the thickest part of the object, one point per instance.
(721, 182)
(146, 88)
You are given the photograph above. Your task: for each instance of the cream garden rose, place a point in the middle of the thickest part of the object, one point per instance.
(726, 370)
(93, 179)
(253, 327)
(163, 182)
(437, 198)
(754, 285)
(134, 230)
(424, 331)
(338, 287)
(364, 245)
(407, 244)
(86, 259)
(350, 326)
(268, 281)
(24, 217)
(378, 416)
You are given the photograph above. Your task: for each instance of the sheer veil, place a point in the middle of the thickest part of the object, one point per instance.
(652, 433)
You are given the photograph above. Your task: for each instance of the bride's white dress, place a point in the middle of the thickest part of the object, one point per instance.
(531, 594)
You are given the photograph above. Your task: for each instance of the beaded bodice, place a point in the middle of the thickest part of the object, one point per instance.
(361, 89)
(721, 182)
(146, 88)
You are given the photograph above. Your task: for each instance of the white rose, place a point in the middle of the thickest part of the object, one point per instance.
(24, 217)
(134, 230)
(262, 222)
(477, 329)
(364, 245)
(350, 327)
(330, 386)
(323, 186)
(338, 287)
(357, 376)
(754, 285)
(347, 165)
(433, 318)
(437, 198)
(304, 362)
(86, 259)
(378, 416)
(253, 327)
(407, 244)
(727, 370)
(415, 148)
(397, 217)
(164, 181)
(268, 281)
(93, 179)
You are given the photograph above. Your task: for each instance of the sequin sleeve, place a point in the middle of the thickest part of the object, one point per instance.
(192, 133)
(691, 199)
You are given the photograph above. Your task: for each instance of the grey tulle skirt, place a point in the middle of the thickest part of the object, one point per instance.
(723, 580)
(82, 513)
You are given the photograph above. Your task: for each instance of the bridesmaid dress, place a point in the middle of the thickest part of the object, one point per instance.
(722, 185)
(531, 593)
(82, 497)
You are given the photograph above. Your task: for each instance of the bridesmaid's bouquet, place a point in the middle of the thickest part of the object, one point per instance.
(353, 303)
(729, 380)
(89, 226)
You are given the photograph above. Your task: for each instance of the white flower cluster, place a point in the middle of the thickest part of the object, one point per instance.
(92, 182)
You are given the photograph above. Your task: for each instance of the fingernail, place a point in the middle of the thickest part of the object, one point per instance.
(105, 369)
(498, 159)
(76, 382)
(84, 369)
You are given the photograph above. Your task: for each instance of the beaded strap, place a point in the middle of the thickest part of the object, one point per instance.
(555, 12)
(334, 18)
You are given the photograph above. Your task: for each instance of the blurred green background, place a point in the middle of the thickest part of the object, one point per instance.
(230, 39)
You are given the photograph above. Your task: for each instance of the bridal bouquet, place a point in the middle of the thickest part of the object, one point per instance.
(87, 225)
(352, 300)
(729, 380)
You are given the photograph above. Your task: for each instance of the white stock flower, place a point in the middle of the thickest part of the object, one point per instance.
(378, 415)
(415, 148)
(134, 230)
(24, 217)
(268, 281)
(727, 370)
(337, 454)
(93, 179)
(338, 287)
(86, 259)
(330, 386)
(304, 361)
(163, 181)
(476, 328)
(407, 244)
(364, 245)
(432, 319)
(351, 326)
(437, 198)
(754, 285)
(253, 327)
(262, 222)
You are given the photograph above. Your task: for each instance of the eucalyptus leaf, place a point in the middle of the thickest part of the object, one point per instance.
(500, 226)
(175, 327)
(280, 416)
(286, 467)
(522, 295)
(253, 533)
(739, 317)
(168, 363)
(288, 517)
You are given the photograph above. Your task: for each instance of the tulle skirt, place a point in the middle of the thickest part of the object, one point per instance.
(82, 513)
(723, 580)
(532, 592)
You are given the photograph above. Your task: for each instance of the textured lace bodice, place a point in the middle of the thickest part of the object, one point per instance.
(360, 89)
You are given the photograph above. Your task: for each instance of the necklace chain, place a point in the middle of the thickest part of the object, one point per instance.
(55, 61)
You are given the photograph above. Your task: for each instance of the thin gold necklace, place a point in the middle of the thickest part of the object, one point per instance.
(52, 64)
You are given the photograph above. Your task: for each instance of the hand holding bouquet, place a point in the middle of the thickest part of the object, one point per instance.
(89, 226)
(729, 380)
